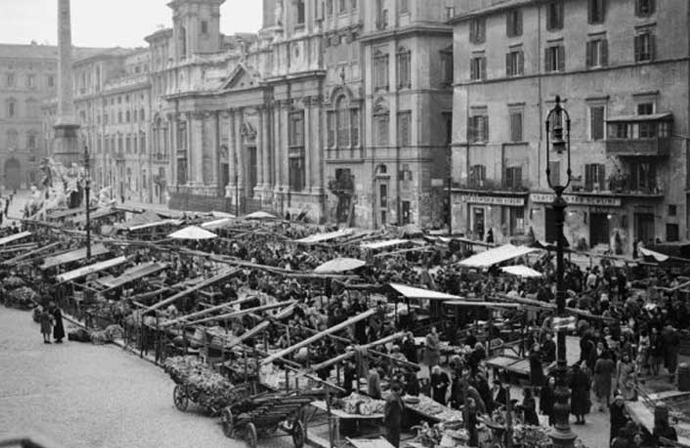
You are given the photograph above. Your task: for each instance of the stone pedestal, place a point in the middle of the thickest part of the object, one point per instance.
(66, 145)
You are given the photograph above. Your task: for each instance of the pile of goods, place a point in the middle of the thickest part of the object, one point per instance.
(209, 388)
(357, 404)
(272, 376)
(109, 311)
(426, 406)
(112, 332)
(440, 434)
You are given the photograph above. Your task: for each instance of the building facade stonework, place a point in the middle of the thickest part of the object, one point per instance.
(622, 73)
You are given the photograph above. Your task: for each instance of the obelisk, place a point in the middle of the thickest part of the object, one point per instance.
(66, 143)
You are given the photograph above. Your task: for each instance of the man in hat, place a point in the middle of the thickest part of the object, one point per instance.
(393, 412)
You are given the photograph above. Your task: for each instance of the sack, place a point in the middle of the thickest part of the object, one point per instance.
(79, 335)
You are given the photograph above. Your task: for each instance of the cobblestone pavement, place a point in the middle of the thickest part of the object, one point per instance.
(87, 396)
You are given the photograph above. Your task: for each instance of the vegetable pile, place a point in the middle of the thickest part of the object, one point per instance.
(209, 388)
(22, 297)
(357, 404)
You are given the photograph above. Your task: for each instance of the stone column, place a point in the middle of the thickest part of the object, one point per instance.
(196, 149)
(232, 148)
(277, 144)
(66, 145)
(239, 145)
(261, 143)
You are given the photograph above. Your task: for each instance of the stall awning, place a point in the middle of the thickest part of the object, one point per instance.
(216, 223)
(411, 292)
(260, 215)
(339, 265)
(483, 304)
(522, 271)
(132, 274)
(655, 255)
(98, 214)
(165, 222)
(91, 269)
(383, 244)
(60, 214)
(74, 255)
(13, 238)
(323, 237)
(497, 255)
(192, 233)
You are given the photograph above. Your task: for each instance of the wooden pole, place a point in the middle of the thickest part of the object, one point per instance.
(218, 278)
(241, 312)
(316, 337)
(206, 311)
(347, 355)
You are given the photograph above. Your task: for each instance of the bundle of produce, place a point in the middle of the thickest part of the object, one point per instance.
(215, 391)
(425, 405)
(272, 376)
(529, 436)
(357, 404)
(180, 367)
(22, 297)
(13, 282)
(111, 333)
(110, 311)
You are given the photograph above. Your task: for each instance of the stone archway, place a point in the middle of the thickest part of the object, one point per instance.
(13, 171)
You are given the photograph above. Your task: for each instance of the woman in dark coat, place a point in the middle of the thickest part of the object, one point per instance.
(536, 369)
(547, 398)
(580, 385)
(603, 378)
(58, 329)
(529, 408)
(619, 417)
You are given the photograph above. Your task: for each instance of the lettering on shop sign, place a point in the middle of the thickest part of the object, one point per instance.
(595, 201)
(493, 200)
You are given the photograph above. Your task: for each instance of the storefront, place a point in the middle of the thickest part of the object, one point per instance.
(481, 215)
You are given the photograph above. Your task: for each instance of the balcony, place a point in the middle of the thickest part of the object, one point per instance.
(640, 135)
(650, 147)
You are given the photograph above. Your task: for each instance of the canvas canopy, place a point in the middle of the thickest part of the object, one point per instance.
(98, 214)
(495, 256)
(150, 225)
(411, 292)
(522, 271)
(74, 255)
(260, 215)
(323, 237)
(192, 233)
(132, 274)
(12, 238)
(91, 269)
(216, 224)
(383, 244)
(655, 255)
(339, 265)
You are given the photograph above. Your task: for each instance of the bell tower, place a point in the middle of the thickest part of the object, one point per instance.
(196, 27)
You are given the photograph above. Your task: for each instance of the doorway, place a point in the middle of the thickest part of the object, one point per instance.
(478, 223)
(599, 229)
(644, 227)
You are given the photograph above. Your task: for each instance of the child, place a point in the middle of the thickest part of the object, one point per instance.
(46, 320)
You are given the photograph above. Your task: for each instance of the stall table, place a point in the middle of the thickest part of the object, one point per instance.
(339, 415)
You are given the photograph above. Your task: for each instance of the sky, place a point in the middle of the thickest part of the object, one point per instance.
(109, 23)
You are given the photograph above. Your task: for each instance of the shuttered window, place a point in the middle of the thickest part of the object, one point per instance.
(516, 127)
(595, 177)
(514, 23)
(644, 8)
(478, 129)
(597, 53)
(644, 47)
(554, 58)
(596, 122)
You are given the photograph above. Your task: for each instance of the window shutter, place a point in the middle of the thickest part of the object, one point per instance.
(588, 61)
(547, 65)
(518, 31)
(473, 68)
(638, 9)
(470, 129)
(486, 128)
(482, 70)
(473, 31)
(518, 177)
(602, 176)
(509, 20)
(561, 58)
(604, 52)
(509, 69)
(521, 63)
(638, 48)
(508, 181)
(591, 5)
(652, 47)
(549, 15)
(602, 11)
(652, 6)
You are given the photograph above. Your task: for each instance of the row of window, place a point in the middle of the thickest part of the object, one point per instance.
(12, 109)
(596, 14)
(121, 117)
(340, 7)
(596, 56)
(403, 59)
(122, 143)
(478, 125)
(31, 81)
(13, 139)
(640, 176)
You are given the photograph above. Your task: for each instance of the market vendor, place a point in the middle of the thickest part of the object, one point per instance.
(393, 413)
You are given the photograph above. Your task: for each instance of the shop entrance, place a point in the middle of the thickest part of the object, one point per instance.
(598, 229)
(478, 220)
(644, 227)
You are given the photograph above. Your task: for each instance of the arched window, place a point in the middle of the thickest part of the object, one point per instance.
(343, 124)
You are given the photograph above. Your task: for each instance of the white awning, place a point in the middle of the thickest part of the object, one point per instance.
(497, 255)
(260, 215)
(322, 237)
(656, 255)
(91, 269)
(216, 224)
(411, 292)
(522, 271)
(148, 225)
(192, 233)
(13, 238)
(339, 265)
(383, 244)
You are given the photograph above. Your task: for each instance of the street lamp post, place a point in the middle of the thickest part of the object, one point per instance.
(562, 435)
(87, 190)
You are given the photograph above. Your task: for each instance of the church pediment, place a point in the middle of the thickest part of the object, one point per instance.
(241, 77)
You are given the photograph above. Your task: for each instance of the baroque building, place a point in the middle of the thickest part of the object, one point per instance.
(622, 73)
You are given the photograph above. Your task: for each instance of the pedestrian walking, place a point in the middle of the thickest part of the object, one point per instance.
(656, 347)
(432, 351)
(603, 378)
(58, 329)
(626, 379)
(618, 417)
(46, 321)
(547, 398)
(393, 413)
(529, 408)
(580, 385)
(536, 368)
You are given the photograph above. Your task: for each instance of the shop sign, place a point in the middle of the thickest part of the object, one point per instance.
(493, 200)
(593, 201)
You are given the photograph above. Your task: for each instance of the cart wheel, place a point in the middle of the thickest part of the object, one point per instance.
(298, 434)
(250, 435)
(180, 398)
(228, 422)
